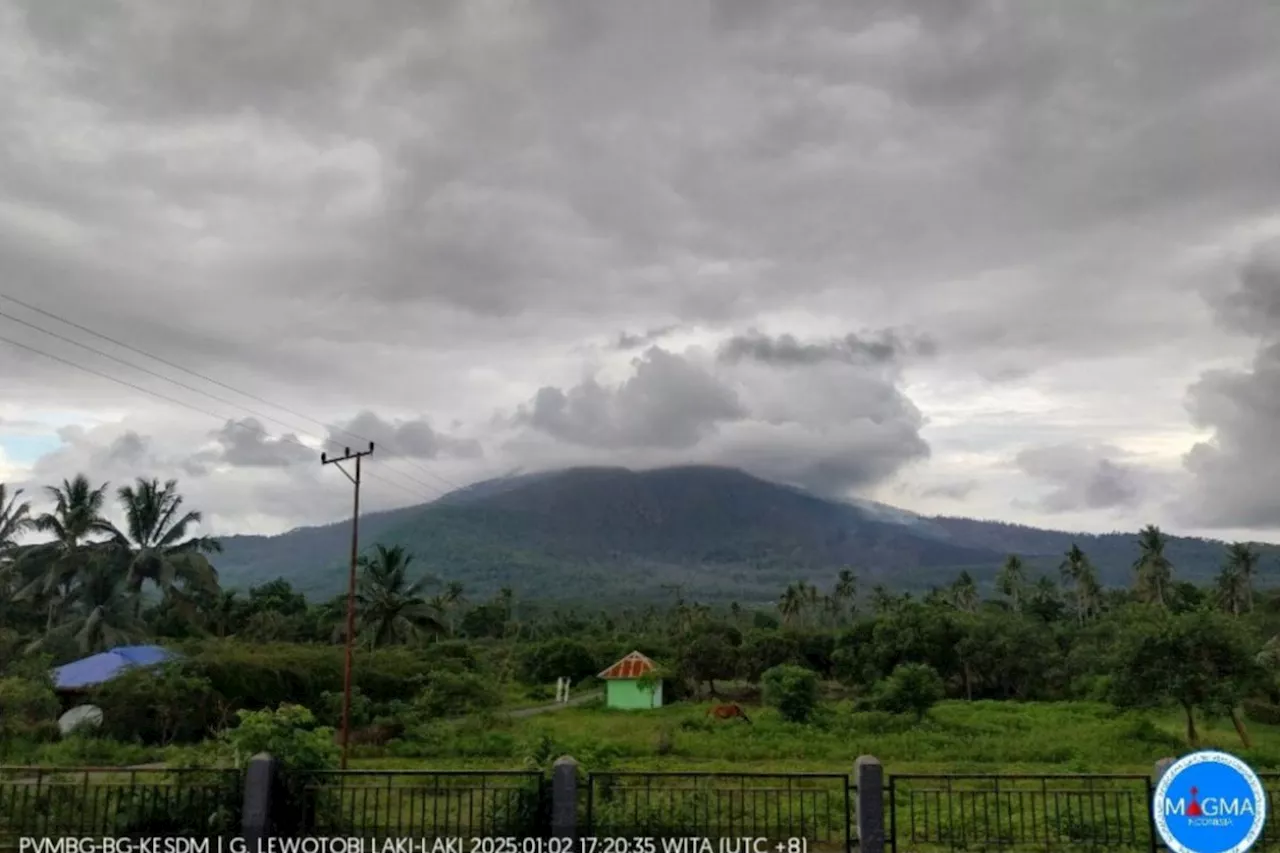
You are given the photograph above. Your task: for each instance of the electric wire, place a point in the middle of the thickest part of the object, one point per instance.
(187, 405)
(212, 381)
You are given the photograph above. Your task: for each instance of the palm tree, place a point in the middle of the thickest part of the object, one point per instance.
(390, 608)
(1154, 571)
(76, 516)
(1079, 573)
(1012, 580)
(101, 610)
(846, 592)
(155, 546)
(1231, 591)
(1242, 559)
(791, 604)
(15, 518)
(964, 593)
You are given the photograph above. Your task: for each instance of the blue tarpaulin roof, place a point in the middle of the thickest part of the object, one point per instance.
(102, 667)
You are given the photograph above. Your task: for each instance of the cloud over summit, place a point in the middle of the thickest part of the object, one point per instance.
(876, 249)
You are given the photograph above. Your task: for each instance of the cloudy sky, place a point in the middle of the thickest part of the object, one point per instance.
(994, 259)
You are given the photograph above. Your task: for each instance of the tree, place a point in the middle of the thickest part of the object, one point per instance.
(15, 519)
(1080, 576)
(964, 593)
(846, 593)
(1242, 563)
(793, 690)
(100, 610)
(155, 545)
(1154, 572)
(1012, 580)
(911, 688)
(1202, 660)
(76, 516)
(390, 608)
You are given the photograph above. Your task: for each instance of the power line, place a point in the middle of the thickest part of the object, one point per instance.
(192, 389)
(223, 385)
(184, 404)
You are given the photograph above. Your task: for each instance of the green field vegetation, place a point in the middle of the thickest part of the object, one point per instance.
(955, 737)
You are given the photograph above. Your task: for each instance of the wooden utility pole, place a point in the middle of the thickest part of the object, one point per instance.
(351, 587)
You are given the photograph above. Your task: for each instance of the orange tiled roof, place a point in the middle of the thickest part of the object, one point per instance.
(633, 665)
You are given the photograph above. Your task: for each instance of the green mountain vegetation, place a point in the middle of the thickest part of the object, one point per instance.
(718, 534)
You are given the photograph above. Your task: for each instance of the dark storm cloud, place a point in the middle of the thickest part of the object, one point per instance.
(668, 403)
(415, 206)
(1082, 477)
(247, 443)
(1234, 473)
(413, 439)
(787, 351)
(628, 341)
(849, 427)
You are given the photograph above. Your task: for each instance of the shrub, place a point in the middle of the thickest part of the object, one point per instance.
(26, 706)
(156, 705)
(290, 734)
(455, 694)
(910, 688)
(551, 660)
(793, 690)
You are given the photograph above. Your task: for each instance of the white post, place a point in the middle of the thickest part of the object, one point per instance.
(566, 690)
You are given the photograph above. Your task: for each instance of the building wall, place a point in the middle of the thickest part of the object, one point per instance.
(628, 694)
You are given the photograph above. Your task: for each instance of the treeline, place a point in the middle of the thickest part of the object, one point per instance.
(428, 651)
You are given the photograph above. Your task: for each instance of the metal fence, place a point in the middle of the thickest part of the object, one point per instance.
(117, 802)
(818, 807)
(425, 803)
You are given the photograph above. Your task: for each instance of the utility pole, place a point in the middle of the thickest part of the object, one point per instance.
(347, 456)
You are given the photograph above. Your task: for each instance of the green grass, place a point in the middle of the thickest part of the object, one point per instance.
(957, 737)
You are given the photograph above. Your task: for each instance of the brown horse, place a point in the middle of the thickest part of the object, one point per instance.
(727, 712)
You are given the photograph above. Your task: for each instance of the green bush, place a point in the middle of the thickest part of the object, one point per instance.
(456, 694)
(27, 706)
(548, 661)
(289, 733)
(159, 705)
(793, 690)
(911, 688)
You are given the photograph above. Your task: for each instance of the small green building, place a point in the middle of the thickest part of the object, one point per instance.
(627, 687)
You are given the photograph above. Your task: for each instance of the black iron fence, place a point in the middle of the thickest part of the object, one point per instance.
(816, 807)
(40, 802)
(1026, 812)
(425, 804)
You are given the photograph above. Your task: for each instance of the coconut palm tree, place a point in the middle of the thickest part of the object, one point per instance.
(791, 604)
(1012, 580)
(155, 547)
(964, 593)
(390, 608)
(1231, 591)
(76, 516)
(1154, 572)
(846, 593)
(1079, 574)
(1242, 560)
(15, 519)
(100, 610)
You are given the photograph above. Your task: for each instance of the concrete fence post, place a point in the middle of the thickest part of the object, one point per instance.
(1161, 767)
(259, 792)
(564, 798)
(868, 774)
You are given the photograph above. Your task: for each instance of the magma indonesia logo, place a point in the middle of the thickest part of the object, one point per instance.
(1209, 802)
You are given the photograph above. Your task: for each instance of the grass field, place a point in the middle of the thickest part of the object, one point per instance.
(957, 737)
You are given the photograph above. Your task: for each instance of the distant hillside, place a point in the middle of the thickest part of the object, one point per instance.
(721, 534)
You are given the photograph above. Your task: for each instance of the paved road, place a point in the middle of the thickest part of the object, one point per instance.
(542, 709)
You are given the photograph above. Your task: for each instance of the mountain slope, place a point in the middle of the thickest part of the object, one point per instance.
(721, 534)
